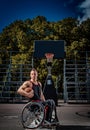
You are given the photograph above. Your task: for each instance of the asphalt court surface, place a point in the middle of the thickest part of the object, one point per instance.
(71, 116)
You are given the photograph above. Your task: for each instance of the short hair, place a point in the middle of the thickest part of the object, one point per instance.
(33, 69)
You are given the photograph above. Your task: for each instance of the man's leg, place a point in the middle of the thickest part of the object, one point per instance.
(54, 109)
(51, 106)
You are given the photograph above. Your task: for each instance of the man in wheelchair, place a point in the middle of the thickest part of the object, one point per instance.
(32, 89)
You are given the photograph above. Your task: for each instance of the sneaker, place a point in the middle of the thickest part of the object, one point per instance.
(54, 121)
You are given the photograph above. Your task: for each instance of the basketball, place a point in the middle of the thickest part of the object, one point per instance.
(28, 89)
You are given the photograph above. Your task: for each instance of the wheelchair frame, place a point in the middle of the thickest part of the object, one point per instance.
(33, 116)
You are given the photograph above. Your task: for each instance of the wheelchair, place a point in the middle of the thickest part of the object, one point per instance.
(34, 116)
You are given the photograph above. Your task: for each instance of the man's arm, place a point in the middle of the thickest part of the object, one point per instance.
(22, 91)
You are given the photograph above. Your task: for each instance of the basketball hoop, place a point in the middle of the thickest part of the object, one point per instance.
(49, 57)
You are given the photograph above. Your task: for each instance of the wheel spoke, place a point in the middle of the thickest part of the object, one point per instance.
(32, 115)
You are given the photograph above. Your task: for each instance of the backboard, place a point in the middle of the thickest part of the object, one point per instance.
(57, 47)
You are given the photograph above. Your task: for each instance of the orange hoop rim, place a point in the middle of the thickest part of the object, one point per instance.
(49, 55)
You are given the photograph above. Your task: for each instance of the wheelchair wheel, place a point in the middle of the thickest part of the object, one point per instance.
(32, 115)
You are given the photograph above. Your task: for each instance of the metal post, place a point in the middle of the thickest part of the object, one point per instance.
(49, 88)
(76, 82)
(88, 78)
(64, 83)
(20, 72)
(9, 78)
(32, 62)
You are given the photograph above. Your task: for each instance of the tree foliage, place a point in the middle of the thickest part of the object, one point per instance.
(20, 35)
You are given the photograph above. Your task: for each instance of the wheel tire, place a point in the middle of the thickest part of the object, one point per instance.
(32, 112)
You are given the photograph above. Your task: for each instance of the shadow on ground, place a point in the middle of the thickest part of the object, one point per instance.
(73, 128)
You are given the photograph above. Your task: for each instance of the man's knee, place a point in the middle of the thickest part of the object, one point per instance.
(51, 102)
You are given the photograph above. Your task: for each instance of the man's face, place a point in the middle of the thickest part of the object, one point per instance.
(33, 75)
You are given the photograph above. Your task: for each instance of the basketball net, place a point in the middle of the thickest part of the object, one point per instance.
(49, 57)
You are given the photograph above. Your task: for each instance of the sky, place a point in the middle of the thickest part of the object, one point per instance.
(53, 10)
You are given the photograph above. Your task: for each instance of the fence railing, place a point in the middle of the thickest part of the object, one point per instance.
(12, 75)
(77, 79)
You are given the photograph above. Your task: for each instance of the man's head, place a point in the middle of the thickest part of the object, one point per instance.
(34, 74)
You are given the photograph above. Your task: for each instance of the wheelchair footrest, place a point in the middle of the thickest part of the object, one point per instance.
(50, 124)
